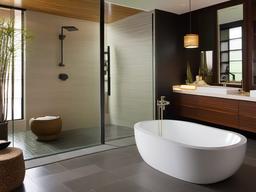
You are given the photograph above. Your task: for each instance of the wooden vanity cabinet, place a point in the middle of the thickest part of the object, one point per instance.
(247, 115)
(227, 112)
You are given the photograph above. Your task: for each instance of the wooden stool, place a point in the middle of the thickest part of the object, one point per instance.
(12, 169)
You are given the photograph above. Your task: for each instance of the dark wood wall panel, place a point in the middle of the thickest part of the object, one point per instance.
(171, 58)
(169, 65)
(249, 41)
(170, 55)
(204, 23)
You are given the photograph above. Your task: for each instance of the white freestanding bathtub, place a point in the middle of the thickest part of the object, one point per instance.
(190, 151)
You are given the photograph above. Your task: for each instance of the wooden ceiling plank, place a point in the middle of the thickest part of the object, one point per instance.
(79, 9)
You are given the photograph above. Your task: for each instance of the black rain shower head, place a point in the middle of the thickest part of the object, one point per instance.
(62, 37)
(70, 28)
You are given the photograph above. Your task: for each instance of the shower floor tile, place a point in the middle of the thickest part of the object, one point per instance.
(68, 140)
(122, 142)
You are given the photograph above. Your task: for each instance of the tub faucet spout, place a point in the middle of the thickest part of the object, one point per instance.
(161, 107)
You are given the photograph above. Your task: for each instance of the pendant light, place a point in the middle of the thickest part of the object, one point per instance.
(191, 40)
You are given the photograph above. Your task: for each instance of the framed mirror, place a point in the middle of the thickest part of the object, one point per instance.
(230, 45)
(252, 22)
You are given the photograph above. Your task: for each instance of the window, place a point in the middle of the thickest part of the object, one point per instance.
(231, 52)
(17, 15)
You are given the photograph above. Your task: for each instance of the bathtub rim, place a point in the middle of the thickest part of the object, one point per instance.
(243, 139)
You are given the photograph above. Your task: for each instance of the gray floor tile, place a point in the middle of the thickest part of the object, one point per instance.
(113, 161)
(28, 186)
(68, 175)
(132, 170)
(45, 170)
(242, 181)
(122, 142)
(250, 161)
(55, 168)
(94, 181)
(101, 159)
(122, 186)
(122, 170)
(156, 181)
(37, 172)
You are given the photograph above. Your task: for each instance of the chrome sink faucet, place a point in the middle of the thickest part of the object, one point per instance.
(161, 107)
(225, 83)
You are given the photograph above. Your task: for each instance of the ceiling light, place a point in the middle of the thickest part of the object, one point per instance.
(191, 40)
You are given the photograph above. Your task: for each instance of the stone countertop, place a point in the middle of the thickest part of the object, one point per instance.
(234, 96)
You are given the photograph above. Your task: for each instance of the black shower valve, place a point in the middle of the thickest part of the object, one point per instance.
(63, 76)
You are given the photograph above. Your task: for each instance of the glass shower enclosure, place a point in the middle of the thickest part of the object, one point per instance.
(58, 76)
(128, 70)
(96, 77)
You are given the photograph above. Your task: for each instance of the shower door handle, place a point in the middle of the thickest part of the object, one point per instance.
(107, 70)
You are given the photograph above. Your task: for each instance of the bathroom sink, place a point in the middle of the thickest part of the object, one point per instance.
(217, 90)
(252, 93)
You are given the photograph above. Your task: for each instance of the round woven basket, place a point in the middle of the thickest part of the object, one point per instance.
(46, 129)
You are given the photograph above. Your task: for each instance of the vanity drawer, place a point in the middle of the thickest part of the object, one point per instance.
(218, 104)
(219, 118)
(247, 116)
(186, 100)
(247, 108)
(209, 109)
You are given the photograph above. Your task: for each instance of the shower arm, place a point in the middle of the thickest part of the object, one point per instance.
(61, 37)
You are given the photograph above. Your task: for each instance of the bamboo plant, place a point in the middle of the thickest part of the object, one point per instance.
(7, 53)
(8, 48)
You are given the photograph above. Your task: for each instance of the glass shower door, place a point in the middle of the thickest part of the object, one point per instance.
(128, 71)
